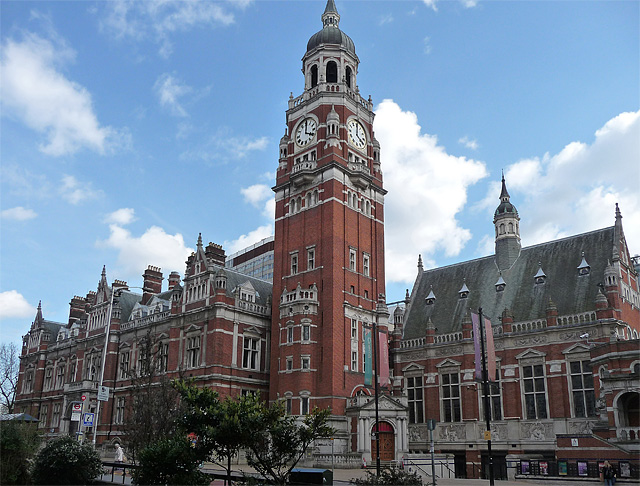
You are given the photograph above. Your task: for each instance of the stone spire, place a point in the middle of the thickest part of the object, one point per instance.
(507, 227)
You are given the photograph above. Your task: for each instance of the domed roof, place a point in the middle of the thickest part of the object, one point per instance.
(331, 35)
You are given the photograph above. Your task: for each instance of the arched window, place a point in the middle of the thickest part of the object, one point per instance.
(314, 75)
(510, 227)
(332, 72)
(309, 201)
(348, 76)
(502, 228)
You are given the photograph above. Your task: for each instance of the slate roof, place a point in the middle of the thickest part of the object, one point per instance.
(262, 287)
(572, 293)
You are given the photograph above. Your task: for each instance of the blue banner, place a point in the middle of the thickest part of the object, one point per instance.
(368, 368)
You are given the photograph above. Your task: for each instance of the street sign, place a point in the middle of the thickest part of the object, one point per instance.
(75, 416)
(77, 407)
(431, 424)
(87, 419)
(83, 398)
(487, 435)
(103, 393)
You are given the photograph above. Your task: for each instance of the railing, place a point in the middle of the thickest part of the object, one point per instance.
(143, 321)
(306, 165)
(253, 307)
(576, 319)
(448, 338)
(412, 343)
(349, 460)
(359, 167)
(628, 433)
(330, 88)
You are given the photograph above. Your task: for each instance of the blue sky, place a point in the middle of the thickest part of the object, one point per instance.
(129, 127)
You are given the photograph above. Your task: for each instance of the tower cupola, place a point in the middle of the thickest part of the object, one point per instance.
(507, 227)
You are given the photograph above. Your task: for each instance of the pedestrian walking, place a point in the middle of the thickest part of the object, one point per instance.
(608, 474)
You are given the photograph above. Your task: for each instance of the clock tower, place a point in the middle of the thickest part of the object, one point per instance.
(328, 280)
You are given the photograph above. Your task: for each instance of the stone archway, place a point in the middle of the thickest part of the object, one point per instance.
(387, 442)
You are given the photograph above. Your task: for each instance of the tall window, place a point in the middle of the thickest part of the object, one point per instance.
(72, 369)
(124, 365)
(534, 391)
(28, 382)
(352, 259)
(584, 399)
(250, 354)
(451, 397)
(289, 406)
(162, 363)
(60, 375)
(304, 406)
(416, 406)
(92, 366)
(42, 417)
(294, 264)
(55, 417)
(365, 265)
(305, 362)
(306, 332)
(48, 378)
(289, 363)
(354, 361)
(119, 418)
(290, 334)
(311, 258)
(354, 329)
(193, 351)
(495, 399)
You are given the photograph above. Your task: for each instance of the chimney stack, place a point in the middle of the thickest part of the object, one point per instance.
(174, 278)
(152, 283)
(215, 254)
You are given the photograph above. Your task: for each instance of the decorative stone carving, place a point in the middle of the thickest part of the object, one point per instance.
(509, 372)
(467, 376)
(536, 431)
(453, 433)
(417, 433)
(555, 368)
(452, 351)
(531, 341)
(580, 427)
(431, 378)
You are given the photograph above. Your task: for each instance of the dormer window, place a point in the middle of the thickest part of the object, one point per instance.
(464, 291)
(431, 298)
(584, 268)
(540, 276)
(500, 284)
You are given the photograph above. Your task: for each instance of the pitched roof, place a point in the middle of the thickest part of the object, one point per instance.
(525, 299)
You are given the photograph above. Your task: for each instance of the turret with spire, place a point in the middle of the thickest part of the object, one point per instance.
(507, 227)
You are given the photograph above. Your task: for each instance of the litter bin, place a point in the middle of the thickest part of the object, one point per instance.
(305, 476)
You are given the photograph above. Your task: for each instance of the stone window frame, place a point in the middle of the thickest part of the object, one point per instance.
(533, 358)
(251, 355)
(579, 353)
(450, 368)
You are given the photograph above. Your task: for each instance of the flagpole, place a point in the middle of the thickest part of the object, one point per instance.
(487, 404)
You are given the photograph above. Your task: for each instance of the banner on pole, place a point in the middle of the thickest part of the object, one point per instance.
(368, 369)
(489, 347)
(384, 358)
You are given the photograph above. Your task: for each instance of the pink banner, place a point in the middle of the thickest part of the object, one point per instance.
(475, 320)
(384, 359)
(491, 350)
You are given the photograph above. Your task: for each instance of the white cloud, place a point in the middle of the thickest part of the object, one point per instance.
(249, 239)
(469, 3)
(35, 92)
(431, 4)
(158, 20)
(121, 217)
(18, 213)
(75, 192)
(14, 305)
(469, 143)
(385, 19)
(224, 146)
(257, 194)
(169, 91)
(427, 45)
(575, 190)
(153, 247)
(427, 189)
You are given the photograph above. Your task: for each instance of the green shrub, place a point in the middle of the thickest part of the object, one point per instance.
(389, 477)
(66, 461)
(169, 461)
(19, 441)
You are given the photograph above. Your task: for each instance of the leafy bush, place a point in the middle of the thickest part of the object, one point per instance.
(19, 441)
(169, 461)
(66, 461)
(389, 477)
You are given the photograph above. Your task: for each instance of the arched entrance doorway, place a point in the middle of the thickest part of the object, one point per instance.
(387, 442)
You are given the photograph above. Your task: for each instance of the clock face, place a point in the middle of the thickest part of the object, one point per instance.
(357, 135)
(306, 131)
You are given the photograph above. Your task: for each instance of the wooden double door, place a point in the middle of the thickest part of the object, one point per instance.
(387, 443)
